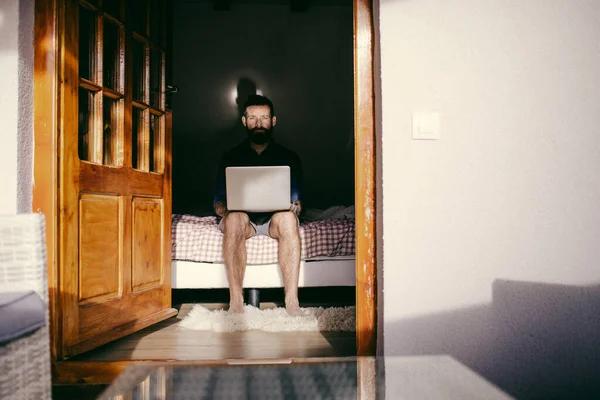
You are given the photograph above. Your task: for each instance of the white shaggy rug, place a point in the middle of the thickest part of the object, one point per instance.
(341, 319)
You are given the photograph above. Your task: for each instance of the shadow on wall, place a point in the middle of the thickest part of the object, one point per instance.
(535, 341)
(198, 156)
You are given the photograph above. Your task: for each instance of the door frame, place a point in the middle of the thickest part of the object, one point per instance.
(45, 150)
(47, 65)
(364, 179)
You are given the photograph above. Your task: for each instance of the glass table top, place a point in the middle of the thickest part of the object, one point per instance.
(414, 377)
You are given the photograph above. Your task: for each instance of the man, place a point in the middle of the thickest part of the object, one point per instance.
(260, 149)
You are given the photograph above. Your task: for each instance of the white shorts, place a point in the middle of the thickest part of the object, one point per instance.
(260, 223)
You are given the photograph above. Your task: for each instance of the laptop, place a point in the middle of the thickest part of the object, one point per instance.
(258, 189)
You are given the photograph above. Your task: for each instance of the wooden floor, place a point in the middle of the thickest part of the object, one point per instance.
(168, 341)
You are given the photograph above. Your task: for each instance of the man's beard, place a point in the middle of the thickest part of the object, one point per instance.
(259, 135)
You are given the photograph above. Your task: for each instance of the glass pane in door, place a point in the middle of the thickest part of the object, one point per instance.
(137, 126)
(85, 123)
(139, 64)
(87, 43)
(137, 13)
(157, 14)
(155, 142)
(156, 78)
(113, 7)
(112, 55)
(109, 130)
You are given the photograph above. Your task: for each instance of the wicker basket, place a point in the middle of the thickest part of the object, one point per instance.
(25, 362)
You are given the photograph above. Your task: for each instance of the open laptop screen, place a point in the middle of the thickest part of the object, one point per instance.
(258, 189)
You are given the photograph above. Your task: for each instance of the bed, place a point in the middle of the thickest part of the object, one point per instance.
(327, 258)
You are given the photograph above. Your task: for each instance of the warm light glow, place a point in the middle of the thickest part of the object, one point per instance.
(233, 94)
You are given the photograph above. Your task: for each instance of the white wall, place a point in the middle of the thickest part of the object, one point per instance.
(16, 105)
(9, 68)
(491, 234)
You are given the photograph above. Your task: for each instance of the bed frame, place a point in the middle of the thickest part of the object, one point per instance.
(316, 272)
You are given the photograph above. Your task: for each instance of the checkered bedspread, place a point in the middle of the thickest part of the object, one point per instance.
(199, 239)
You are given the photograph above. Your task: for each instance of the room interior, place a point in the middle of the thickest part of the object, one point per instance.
(301, 58)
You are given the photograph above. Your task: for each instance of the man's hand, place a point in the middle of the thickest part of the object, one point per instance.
(296, 207)
(221, 208)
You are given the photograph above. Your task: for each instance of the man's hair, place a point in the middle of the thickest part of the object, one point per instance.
(258, 100)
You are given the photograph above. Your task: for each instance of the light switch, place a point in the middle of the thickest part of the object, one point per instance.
(426, 125)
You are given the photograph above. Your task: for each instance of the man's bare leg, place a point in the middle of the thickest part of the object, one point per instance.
(284, 228)
(236, 229)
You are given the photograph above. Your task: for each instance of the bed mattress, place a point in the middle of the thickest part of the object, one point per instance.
(336, 271)
(199, 239)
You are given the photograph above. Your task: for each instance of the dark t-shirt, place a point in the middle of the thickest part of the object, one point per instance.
(275, 154)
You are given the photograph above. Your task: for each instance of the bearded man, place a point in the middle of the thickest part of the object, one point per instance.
(260, 149)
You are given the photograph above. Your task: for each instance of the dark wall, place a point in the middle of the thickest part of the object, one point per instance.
(302, 61)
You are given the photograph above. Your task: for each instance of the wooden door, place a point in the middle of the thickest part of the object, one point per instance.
(114, 171)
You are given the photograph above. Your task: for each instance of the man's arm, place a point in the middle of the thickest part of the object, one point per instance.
(221, 208)
(296, 178)
(220, 198)
(296, 207)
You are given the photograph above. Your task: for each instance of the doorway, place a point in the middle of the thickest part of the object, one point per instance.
(49, 65)
(301, 59)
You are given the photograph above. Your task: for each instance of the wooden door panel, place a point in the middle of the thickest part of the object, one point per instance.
(147, 243)
(103, 317)
(100, 241)
(115, 195)
(99, 178)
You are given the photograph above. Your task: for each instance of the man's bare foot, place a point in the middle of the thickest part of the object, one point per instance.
(295, 311)
(293, 308)
(236, 308)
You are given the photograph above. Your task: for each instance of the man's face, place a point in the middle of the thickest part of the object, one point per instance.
(259, 123)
